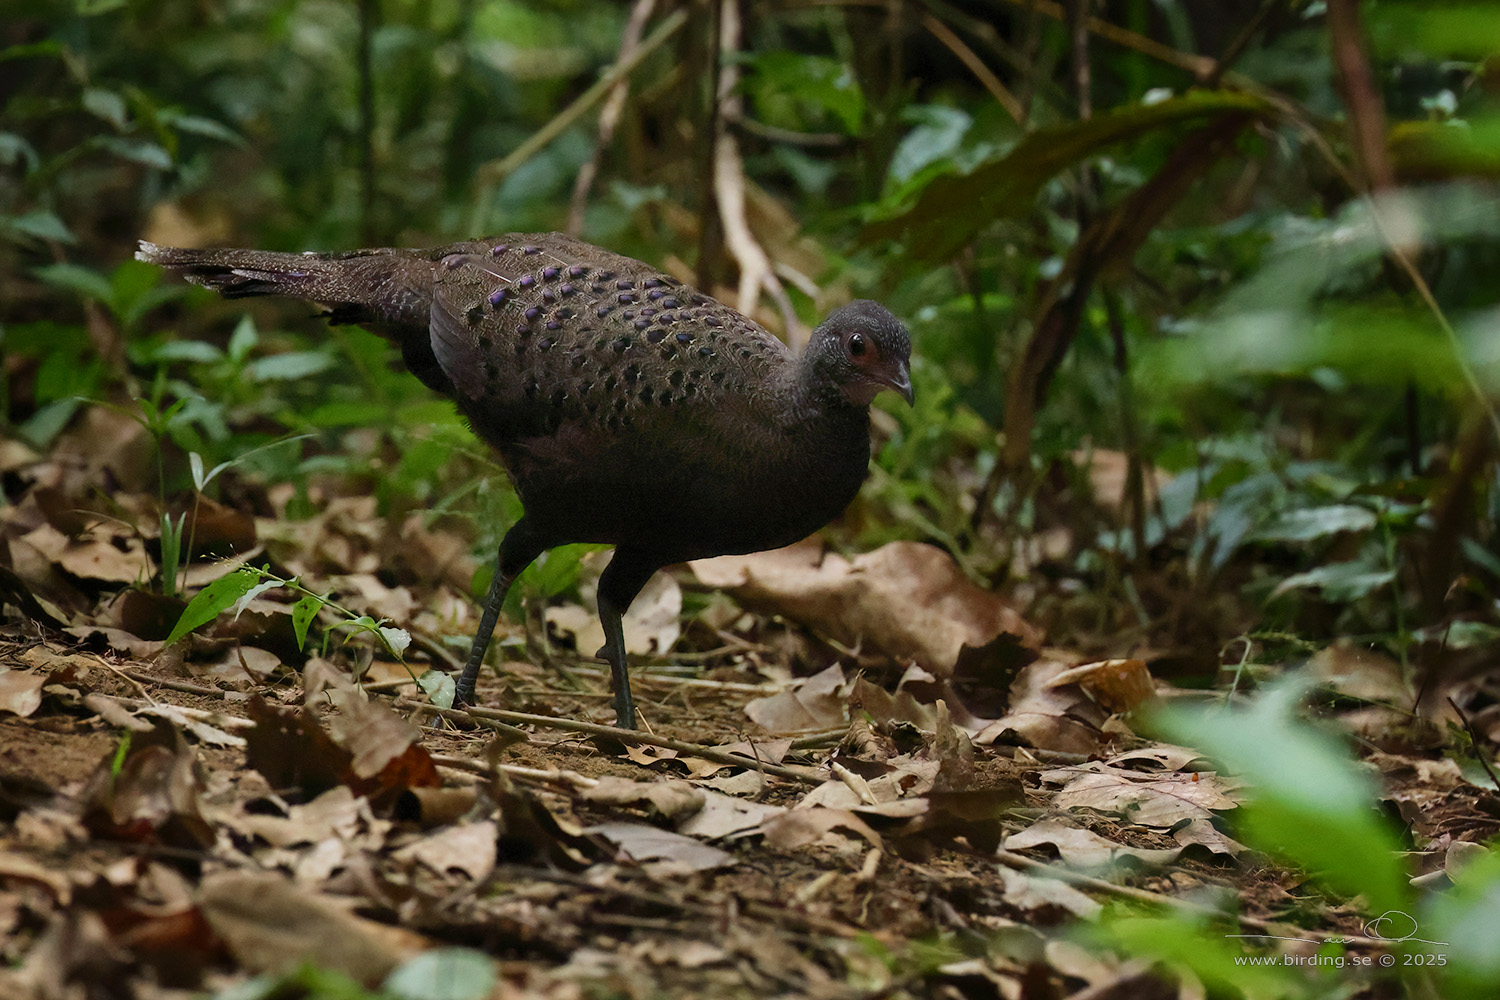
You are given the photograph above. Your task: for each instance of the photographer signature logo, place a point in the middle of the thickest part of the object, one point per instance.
(1391, 927)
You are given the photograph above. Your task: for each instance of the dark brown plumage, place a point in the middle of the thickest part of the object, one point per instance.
(629, 408)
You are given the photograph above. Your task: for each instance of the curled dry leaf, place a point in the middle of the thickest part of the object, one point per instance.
(98, 446)
(1202, 833)
(382, 746)
(1047, 716)
(820, 702)
(334, 815)
(757, 751)
(432, 555)
(144, 615)
(432, 807)
(366, 594)
(218, 529)
(1360, 673)
(1118, 686)
(906, 600)
(726, 815)
(290, 749)
(978, 815)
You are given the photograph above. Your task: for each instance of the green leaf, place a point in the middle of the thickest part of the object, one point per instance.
(1464, 919)
(288, 367)
(34, 50)
(443, 974)
(244, 599)
(171, 550)
(782, 80)
(1308, 801)
(1462, 634)
(198, 125)
(197, 351)
(136, 288)
(42, 225)
(16, 151)
(1317, 522)
(1339, 582)
(397, 640)
(351, 413)
(85, 281)
(1193, 943)
(209, 602)
(138, 151)
(243, 339)
(106, 104)
(47, 422)
(938, 136)
(440, 687)
(952, 210)
(1435, 31)
(303, 612)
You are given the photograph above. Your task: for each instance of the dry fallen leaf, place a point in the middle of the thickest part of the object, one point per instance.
(21, 691)
(907, 600)
(800, 828)
(1043, 715)
(271, 925)
(1037, 892)
(652, 623)
(112, 558)
(469, 848)
(1117, 685)
(1085, 849)
(817, 703)
(662, 852)
(1154, 800)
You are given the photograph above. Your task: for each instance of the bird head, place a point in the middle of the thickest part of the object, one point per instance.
(865, 350)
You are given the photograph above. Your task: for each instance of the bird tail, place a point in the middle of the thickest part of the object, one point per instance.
(359, 286)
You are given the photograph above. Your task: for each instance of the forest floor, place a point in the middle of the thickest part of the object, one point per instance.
(802, 816)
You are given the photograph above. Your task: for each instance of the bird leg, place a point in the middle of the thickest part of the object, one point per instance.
(519, 547)
(621, 581)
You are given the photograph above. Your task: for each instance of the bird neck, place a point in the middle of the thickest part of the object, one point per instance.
(815, 390)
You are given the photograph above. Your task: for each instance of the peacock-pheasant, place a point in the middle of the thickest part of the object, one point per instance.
(628, 407)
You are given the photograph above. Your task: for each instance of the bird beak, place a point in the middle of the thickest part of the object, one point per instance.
(901, 382)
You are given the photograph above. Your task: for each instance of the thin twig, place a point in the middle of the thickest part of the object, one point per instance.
(218, 719)
(756, 272)
(982, 73)
(492, 173)
(609, 115)
(176, 685)
(629, 736)
(649, 679)
(1478, 741)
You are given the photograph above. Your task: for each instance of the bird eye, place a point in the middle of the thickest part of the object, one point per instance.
(856, 344)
